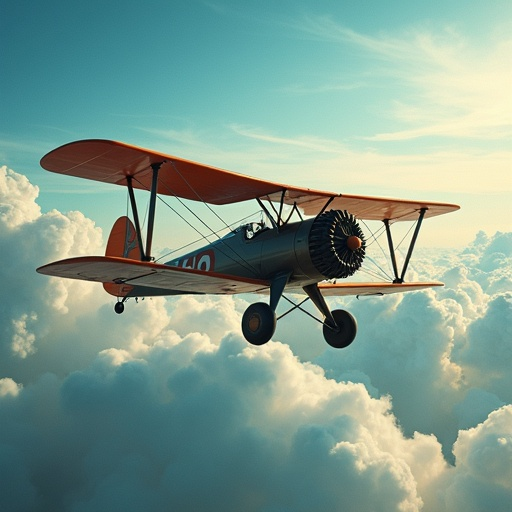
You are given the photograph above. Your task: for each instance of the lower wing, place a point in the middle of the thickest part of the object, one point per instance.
(341, 289)
(124, 277)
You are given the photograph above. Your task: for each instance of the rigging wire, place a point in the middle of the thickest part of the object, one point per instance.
(197, 194)
(406, 234)
(241, 260)
(177, 213)
(375, 237)
(238, 222)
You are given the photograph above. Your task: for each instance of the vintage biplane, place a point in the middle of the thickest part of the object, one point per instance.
(312, 255)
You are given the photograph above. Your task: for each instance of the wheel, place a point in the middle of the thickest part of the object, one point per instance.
(258, 323)
(344, 335)
(119, 307)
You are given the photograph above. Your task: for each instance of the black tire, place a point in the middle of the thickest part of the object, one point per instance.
(119, 307)
(346, 332)
(258, 323)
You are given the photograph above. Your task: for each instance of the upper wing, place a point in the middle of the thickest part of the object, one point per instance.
(156, 279)
(111, 162)
(342, 289)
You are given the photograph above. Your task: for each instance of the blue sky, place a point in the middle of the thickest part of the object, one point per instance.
(389, 99)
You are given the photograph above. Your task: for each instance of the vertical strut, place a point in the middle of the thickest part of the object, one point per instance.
(279, 218)
(267, 213)
(392, 251)
(329, 201)
(135, 216)
(400, 279)
(152, 209)
(413, 242)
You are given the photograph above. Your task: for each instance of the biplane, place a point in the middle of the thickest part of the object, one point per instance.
(308, 242)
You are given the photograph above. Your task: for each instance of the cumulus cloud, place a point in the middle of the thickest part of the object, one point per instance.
(482, 479)
(30, 239)
(167, 407)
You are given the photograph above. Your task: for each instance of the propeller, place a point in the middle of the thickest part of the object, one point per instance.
(336, 244)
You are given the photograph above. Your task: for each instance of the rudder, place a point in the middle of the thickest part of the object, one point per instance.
(122, 243)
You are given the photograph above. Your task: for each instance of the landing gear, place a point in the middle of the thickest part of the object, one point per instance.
(345, 331)
(340, 327)
(119, 307)
(258, 323)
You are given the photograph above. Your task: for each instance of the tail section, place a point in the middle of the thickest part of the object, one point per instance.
(122, 243)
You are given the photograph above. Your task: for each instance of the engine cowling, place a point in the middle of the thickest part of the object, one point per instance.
(336, 244)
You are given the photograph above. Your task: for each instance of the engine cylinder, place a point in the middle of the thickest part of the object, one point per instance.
(336, 244)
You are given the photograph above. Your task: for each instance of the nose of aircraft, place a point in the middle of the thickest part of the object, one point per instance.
(354, 243)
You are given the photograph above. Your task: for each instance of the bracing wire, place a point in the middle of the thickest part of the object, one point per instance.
(198, 196)
(373, 239)
(375, 236)
(406, 234)
(240, 259)
(238, 222)
(203, 237)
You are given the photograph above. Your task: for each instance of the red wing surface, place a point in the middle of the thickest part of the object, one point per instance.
(111, 162)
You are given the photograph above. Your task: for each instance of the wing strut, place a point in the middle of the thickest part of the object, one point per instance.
(145, 254)
(400, 279)
(135, 212)
(279, 220)
(152, 209)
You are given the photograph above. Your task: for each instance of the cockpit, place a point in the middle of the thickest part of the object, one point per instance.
(252, 229)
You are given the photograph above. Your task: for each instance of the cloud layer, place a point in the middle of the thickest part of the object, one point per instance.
(166, 407)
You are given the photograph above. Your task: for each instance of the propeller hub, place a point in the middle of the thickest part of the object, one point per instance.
(354, 243)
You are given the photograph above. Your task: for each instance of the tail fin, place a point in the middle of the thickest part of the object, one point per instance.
(122, 243)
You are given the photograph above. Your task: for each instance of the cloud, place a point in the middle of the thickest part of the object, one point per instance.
(17, 199)
(452, 342)
(9, 387)
(238, 426)
(166, 406)
(483, 475)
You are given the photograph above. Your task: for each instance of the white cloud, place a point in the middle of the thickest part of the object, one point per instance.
(9, 387)
(22, 339)
(17, 199)
(482, 478)
(167, 406)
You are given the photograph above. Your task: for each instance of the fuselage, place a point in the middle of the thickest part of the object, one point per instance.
(257, 251)
(329, 246)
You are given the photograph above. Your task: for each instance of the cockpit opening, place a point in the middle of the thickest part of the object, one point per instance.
(253, 228)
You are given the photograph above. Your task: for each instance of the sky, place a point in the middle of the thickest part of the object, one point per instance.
(166, 406)
(392, 99)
